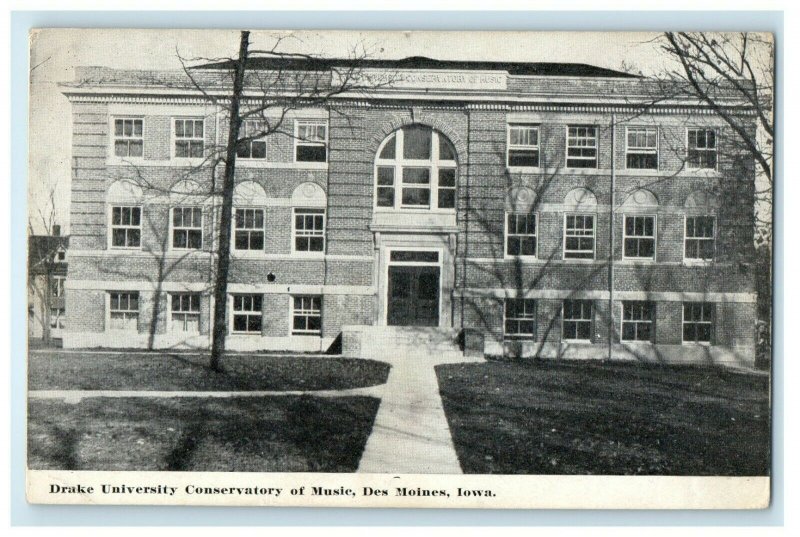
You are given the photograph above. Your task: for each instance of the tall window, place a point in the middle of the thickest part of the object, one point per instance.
(57, 318)
(309, 230)
(249, 230)
(247, 314)
(639, 238)
(521, 234)
(579, 236)
(699, 238)
(251, 145)
(128, 137)
(185, 312)
(189, 138)
(637, 321)
(576, 320)
(124, 310)
(582, 146)
(519, 318)
(416, 169)
(702, 149)
(126, 227)
(698, 322)
(306, 315)
(57, 286)
(642, 148)
(311, 141)
(187, 228)
(523, 146)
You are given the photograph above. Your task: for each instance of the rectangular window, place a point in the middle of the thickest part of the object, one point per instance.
(124, 310)
(57, 286)
(187, 228)
(249, 230)
(639, 237)
(642, 148)
(698, 322)
(307, 315)
(128, 137)
(385, 186)
(523, 146)
(57, 318)
(185, 315)
(637, 321)
(521, 234)
(251, 144)
(519, 318)
(699, 238)
(582, 147)
(311, 141)
(579, 236)
(309, 230)
(576, 323)
(247, 314)
(447, 188)
(126, 227)
(189, 138)
(702, 149)
(416, 188)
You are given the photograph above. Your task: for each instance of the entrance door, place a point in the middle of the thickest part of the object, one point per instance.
(413, 296)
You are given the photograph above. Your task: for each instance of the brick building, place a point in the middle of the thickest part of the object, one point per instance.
(47, 275)
(460, 196)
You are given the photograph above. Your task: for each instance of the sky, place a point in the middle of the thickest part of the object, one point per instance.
(55, 53)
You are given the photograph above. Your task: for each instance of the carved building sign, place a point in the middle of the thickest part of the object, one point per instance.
(425, 79)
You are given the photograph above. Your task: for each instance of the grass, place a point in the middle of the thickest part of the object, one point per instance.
(612, 419)
(171, 371)
(247, 434)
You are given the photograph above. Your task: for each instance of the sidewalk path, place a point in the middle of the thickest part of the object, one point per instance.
(410, 434)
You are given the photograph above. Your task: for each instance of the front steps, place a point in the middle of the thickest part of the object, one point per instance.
(378, 342)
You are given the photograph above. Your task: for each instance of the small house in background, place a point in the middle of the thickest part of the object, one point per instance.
(47, 273)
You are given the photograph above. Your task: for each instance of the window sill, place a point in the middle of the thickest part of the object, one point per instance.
(698, 263)
(578, 260)
(524, 169)
(636, 261)
(315, 334)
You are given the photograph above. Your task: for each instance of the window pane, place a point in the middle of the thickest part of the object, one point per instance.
(417, 175)
(388, 151)
(417, 142)
(311, 153)
(446, 151)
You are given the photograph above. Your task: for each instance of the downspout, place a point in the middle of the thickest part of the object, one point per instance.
(612, 202)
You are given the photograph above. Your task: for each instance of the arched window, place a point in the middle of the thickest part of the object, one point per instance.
(416, 168)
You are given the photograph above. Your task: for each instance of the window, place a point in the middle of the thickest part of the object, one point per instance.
(699, 238)
(185, 312)
(249, 230)
(189, 138)
(416, 169)
(698, 322)
(579, 236)
(251, 145)
(247, 314)
(57, 318)
(126, 227)
(307, 315)
(582, 147)
(124, 310)
(637, 321)
(57, 286)
(702, 149)
(520, 318)
(576, 323)
(311, 141)
(642, 148)
(309, 230)
(128, 137)
(521, 234)
(61, 255)
(523, 146)
(639, 237)
(187, 228)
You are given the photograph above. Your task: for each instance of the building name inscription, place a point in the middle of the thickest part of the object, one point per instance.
(420, 79)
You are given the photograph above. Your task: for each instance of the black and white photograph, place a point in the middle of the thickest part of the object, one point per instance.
(383, 268)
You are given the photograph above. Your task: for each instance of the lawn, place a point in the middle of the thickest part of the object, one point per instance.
(172, 371)
(246, 434)
(614, 419)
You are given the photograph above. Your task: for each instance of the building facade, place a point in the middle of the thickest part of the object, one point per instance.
(47, 276)
(557, 210)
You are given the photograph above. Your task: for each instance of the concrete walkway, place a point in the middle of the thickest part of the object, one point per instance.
(410, 434)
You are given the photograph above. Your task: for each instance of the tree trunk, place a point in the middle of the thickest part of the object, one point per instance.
(220, 328)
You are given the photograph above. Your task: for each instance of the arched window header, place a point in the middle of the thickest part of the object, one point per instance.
(641, 198)
(249, 193)
(416, 168)
(520, 200)
(580, 199)
(124, 192)
(309, 195)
